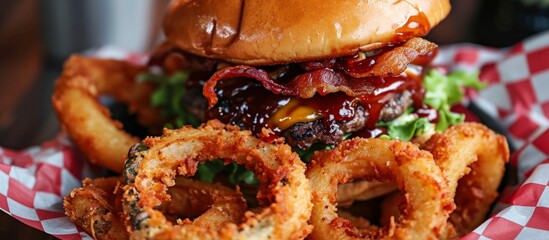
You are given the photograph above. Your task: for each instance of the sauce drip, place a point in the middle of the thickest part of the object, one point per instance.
(370, 133)
(427, 112)
(424, 60)
(357, 64)
(417, 25)
(249, 105)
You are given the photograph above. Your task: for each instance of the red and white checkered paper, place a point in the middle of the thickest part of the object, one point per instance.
(34, 181)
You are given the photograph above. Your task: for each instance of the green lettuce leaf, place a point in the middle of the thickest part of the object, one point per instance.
(407, 129)
(168, 96)
(207, 171)
(241, 174)
(446, 118)
(442, 91)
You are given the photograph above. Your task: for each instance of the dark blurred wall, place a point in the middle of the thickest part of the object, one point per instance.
(35, 38)
(497, 23)
(23, 103)
(70, 26)
(20, 54)
(504, 22)
(457, 26)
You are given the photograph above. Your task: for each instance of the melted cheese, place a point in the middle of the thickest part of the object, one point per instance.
(293, 113)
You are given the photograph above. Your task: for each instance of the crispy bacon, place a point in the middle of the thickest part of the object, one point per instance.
(385, 62)
(322, 81)
(390, 62)
(349, 75)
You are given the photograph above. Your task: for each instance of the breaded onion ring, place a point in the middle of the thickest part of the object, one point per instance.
(214, 203)
(96, 208)
(87, 122)
(472, 159)
(413, 170)
(390, 208)
(97, 205)
(361, 224)
(362, 190)
(151, 167)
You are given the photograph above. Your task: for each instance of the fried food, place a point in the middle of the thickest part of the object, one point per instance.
(151, 167)
(211, 205)
(362, 190)
(96, 208)
(469, 156)
(295, 78)
(97, 205)
(390, 208)
(362, 225)
(413, 170)
(472, 159)
(87, 122)
(323, 79)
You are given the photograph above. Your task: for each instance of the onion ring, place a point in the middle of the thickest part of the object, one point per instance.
(97, 206)
(214, 203)
(414, 171)
(390, 208)
(87, 122)
(472, 159)
(362, 224)
(151, 167)
(362, 190)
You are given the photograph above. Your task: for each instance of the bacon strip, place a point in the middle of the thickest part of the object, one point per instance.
(322, 81)
(389, 63)
(333, 75)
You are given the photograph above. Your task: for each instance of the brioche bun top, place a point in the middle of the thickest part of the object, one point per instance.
(264, 32)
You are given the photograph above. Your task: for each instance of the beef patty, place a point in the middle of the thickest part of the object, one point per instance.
(304, 134)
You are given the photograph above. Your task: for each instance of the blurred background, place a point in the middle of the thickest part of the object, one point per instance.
(35, 39)
(37, 36)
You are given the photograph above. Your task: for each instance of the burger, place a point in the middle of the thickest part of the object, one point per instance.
(311, 72)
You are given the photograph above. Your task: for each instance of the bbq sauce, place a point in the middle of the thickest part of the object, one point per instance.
(359, 63)
(249, 105)
(427, 112)
(417, 25)
(371, 132)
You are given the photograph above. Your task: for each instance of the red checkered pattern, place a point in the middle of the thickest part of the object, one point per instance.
(517, 95)
(34, 181)
(527, 216)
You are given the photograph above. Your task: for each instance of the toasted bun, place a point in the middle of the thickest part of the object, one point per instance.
(258, 32)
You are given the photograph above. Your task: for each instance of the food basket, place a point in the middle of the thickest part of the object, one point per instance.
(33, 181)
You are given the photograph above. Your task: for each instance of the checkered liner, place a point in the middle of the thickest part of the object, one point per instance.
(34, 181)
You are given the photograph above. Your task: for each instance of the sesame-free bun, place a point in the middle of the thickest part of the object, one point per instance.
(262, 32)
